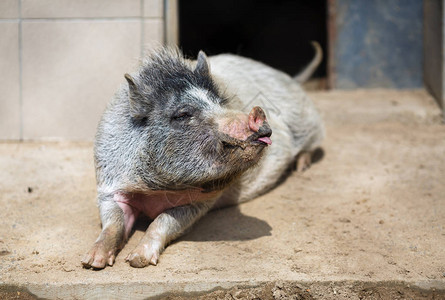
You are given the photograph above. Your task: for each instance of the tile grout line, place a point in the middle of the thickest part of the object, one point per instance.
(142, 29)
(164, 22)
(67, 19)
(21, 137)
(11, 20)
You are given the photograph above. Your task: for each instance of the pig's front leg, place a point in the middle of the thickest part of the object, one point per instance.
(112, 237)
(166, 227)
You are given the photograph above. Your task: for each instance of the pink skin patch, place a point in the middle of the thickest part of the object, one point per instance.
(236, 127)
(242, 126)
(153, 203)
(130, 213)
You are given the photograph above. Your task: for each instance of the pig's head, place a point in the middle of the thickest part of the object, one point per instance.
(188, 136)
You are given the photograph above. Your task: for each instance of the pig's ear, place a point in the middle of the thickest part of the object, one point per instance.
(202, 65)
(131, 85)
(139, 108)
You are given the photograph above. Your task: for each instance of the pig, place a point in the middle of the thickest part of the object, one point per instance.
(182, 137)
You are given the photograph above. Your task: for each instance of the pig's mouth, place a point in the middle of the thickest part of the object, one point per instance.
(261, 138)
(231, 143)
(265, 140)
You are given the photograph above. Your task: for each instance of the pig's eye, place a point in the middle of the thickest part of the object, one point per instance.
(182, 116)
(224, 101)
(184, 113)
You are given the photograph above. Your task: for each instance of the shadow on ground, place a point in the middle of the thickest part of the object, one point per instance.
(228, 224)
(225, 224)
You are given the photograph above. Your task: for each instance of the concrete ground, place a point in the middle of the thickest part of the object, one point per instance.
(366, 221)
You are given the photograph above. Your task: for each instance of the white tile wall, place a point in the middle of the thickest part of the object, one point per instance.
(9, 81)
(62, 60)
(70, 72)
(9, 9)
(153, 33)
(80, 8)
(153, 8)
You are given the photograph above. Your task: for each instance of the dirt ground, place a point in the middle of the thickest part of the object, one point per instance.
(366, 221)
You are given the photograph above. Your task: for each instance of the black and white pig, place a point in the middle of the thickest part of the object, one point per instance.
(182, 137)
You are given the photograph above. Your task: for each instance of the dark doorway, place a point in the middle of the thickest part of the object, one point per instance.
(276, 32)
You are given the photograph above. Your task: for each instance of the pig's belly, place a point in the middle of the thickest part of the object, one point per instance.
(153, 203)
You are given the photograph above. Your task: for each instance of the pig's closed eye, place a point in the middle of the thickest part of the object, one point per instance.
(224, 100)
(182, 116)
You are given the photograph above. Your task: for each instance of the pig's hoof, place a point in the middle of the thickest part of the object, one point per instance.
(304, 160)
(98, 257)
(143, 256)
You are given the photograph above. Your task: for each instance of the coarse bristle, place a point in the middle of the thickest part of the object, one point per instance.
(165, 69)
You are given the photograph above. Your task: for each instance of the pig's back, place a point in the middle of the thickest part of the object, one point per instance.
(295, 123)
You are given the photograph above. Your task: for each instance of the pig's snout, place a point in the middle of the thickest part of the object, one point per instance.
(256, 118)
(258, 124)
(249, 128)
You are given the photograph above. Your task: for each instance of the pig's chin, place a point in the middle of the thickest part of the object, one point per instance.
(236, 162)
